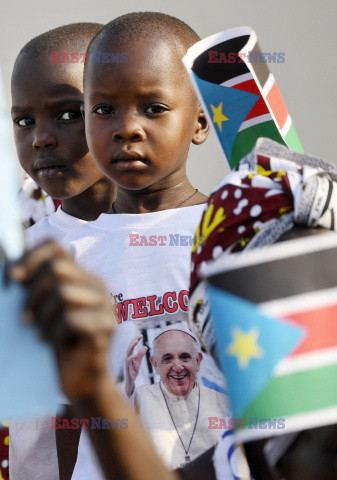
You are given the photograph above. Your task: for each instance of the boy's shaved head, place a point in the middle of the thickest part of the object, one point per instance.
(150, 25)
(48, 126)
(147, 30)
(74, 35)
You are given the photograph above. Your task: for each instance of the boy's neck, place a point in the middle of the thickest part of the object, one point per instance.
(92, 202)
(146, 201)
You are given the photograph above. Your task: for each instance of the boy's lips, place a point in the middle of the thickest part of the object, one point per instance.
(129, 161)
(48, 167)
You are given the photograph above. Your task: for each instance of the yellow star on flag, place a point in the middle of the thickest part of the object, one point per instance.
(244, 346)
(218, 116)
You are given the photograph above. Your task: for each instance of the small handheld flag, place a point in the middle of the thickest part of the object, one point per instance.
(274, 311)
(238, 93)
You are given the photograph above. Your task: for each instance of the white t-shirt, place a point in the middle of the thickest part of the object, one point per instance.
(144, 261)
(32, 446)
(54, 227)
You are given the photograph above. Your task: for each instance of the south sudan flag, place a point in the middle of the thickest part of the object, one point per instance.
(238, 93)
(275, 313)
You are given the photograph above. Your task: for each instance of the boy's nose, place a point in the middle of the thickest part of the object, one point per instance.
(43, 138)
(129, 130)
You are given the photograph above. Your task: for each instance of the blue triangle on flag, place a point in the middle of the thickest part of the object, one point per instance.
(226, 102)
(249, 345)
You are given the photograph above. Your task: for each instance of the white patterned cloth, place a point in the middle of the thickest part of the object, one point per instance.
(36, 204)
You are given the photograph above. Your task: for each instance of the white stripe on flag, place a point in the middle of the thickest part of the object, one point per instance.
(293, 423)
(297, 246)
(286, 126)
(255, 121)
(269, 83)
(237, 80)
(306, 361)
(300, 303)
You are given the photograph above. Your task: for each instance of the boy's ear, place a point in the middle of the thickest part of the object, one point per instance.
(202, 130)
(82, 109)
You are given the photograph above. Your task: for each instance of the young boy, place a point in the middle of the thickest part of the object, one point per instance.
(47, 93)
(141, 117)
(49, 129)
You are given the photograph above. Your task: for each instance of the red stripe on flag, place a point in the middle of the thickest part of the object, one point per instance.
(321, 328)
(260, 107)
(277, 105)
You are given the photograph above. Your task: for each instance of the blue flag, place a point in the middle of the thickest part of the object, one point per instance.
(249, 345)
(227, 108)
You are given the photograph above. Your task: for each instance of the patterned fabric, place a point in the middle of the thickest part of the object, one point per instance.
(36, 204)
(251, 209)
(275, 151)
(4, 443)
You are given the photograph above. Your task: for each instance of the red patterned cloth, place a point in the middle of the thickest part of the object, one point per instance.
(4, 451)
(238, 210)
(251, 209)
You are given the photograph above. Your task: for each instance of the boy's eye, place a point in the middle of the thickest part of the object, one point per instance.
(153, 109)
(103, 110)
(24, 122)
(69, 115)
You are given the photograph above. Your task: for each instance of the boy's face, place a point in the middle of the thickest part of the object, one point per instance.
(141, 116)
(48, 126)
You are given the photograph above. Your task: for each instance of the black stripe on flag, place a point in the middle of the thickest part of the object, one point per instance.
(221, 72)
(288, 276)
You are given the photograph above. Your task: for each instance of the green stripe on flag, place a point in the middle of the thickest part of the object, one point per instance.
(292, 139)
(296, 393)
(246, 139)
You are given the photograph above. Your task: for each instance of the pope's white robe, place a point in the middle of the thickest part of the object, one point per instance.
(153, 412)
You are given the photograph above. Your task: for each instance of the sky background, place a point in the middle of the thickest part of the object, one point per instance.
(304, 29)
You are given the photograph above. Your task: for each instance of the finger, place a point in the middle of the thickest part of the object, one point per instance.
(140, 355)
(73, 332)
(132, 345)
(27, 266)
(55, 306)
(51, 276)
